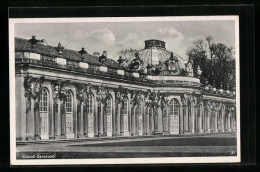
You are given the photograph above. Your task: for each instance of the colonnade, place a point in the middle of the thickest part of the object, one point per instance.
(61, 109)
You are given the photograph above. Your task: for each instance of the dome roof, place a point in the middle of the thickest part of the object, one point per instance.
(155, 53)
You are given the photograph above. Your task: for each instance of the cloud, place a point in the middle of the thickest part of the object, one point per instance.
(170, 32)
(104, 36)
(131, 40)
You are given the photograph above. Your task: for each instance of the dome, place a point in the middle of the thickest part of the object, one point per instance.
(155, 53)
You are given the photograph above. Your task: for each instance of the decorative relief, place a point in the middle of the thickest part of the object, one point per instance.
(136, 98)
(59, 89)
(59, 92)
(102, 94)
(82, 92)
(121, 92)
(33, 89)
(164, 100)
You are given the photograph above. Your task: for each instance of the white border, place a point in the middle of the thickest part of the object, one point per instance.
(166, 160)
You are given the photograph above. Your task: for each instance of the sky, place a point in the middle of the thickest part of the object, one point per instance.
(115, 36)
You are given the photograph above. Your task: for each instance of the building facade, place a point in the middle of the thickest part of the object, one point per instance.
(70, 94)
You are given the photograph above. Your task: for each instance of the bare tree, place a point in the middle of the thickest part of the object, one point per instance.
(216, 61)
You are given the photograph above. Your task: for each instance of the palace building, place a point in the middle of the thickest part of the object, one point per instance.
(66, 94)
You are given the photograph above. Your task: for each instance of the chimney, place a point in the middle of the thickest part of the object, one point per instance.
(105, 53)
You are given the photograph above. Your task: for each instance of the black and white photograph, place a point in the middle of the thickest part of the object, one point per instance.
(124, 90)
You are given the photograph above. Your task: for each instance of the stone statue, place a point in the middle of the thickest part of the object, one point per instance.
(189, 68)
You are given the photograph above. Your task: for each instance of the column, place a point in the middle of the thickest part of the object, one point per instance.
(22, 114)
(100, 126)
(140, 119)
(96, 118)
(57, 121)
(80, 119)
(151, 120)
(222, 120)
(104, 121)
(229, 116)
(155, 115)
(216, 120)
(121, 117)
(164, 120)
(181, 120)
(118, 120)
(201, 119)
(144, 121)
(187, 118)
(192, 119)
(37, 119)
(63, 118)
(234, 121)
(147, 120)
(85, 119)
(51, 110)
(133, 120)
(208, 119)
(29, 119)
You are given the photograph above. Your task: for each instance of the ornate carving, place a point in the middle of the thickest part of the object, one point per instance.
(28, 105)
(33, 89)
(80, 93)
(154, 100)
(136, 63)
(121, 92)
(184, 99)
(172, 65)
(207, 104)
(136, 98)
(83, 91)
(102, 94)
(164, 101)
(59, 90)
(189, 68)
(33, 86)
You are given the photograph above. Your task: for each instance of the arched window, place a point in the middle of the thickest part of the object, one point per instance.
(90, 104)
(171, 107)
(69, 102)
(125, 113)
(44, 113)
(174, 111)
(44, 101)
(176, 107)
(69, 111)
(125, 106)
(109, 106)
(109, 113)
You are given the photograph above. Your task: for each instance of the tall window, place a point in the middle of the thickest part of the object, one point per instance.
(44, 101)
(90, 104)
(125, 106)
(109, 112)
(109, 107)
(125, 112)
(171, 108)
(69, 110)
(43, 109)
(176, 107)
(69, 103)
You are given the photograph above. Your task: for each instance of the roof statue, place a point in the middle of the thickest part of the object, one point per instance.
(103, 58)
(82, 51)
(154, 59)
(120, 60)
(136, 63)
(189, 68)
(34, 41)
(60, 48)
